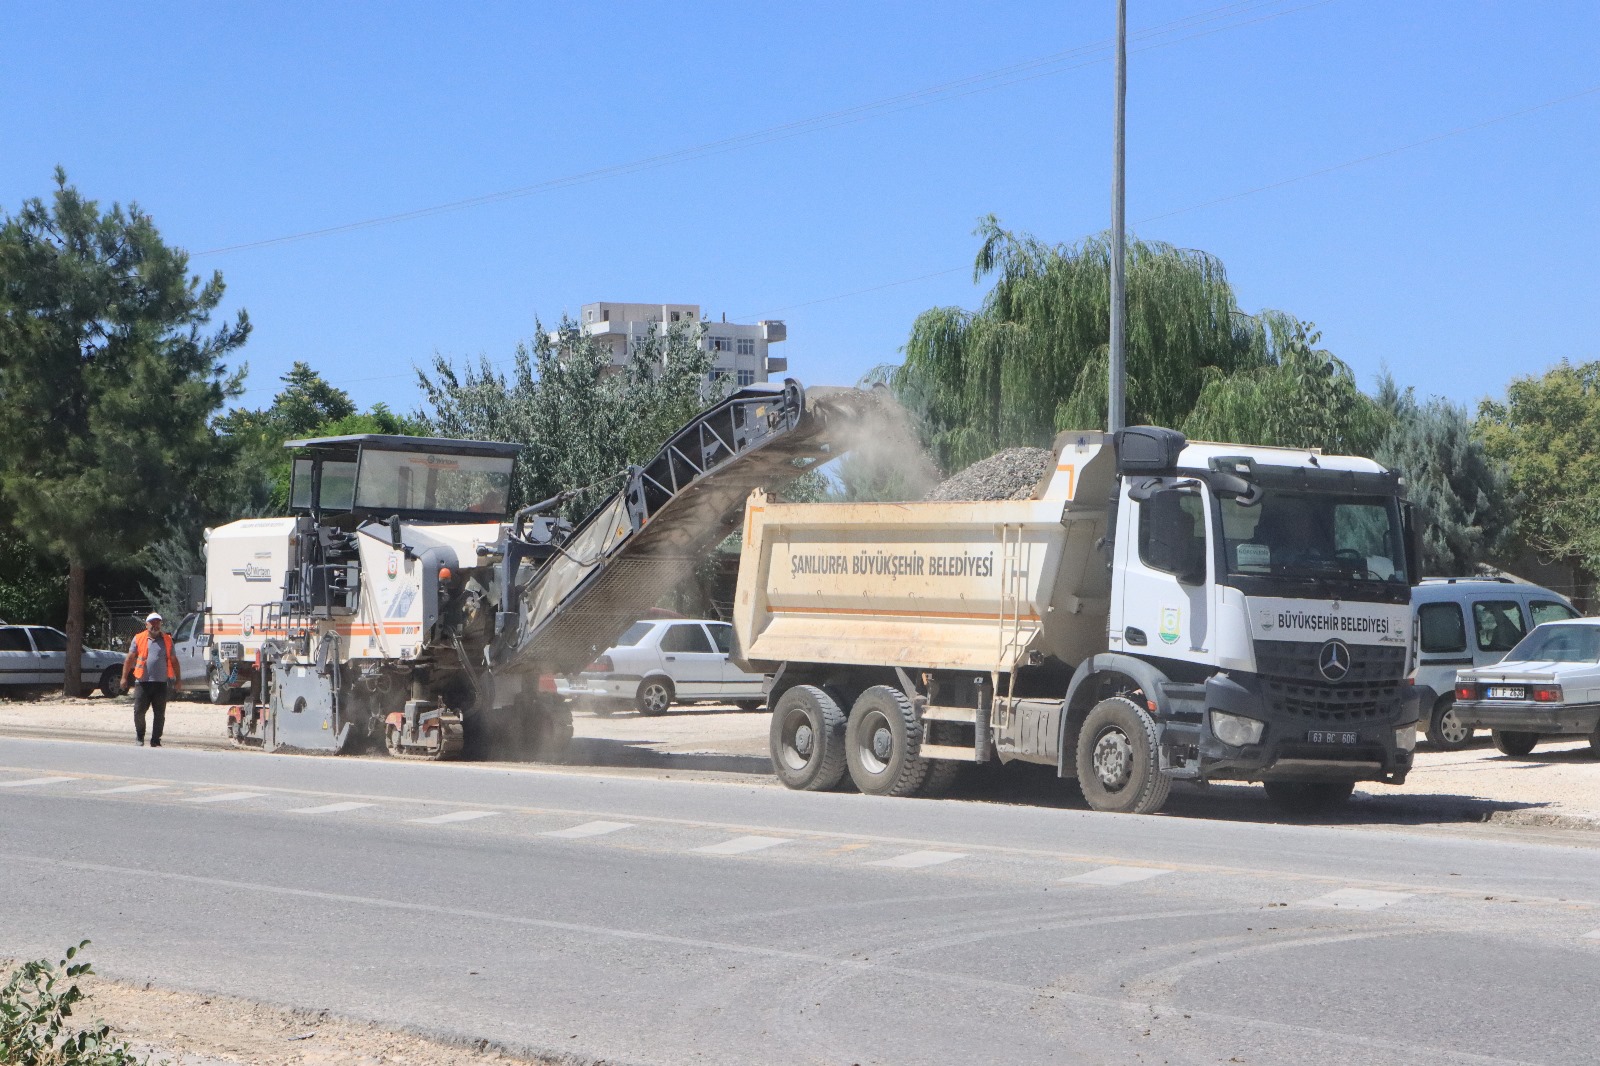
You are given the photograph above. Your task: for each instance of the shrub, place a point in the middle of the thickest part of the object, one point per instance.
(35, 1006)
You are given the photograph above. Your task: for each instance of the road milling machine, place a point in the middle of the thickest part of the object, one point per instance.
(401, 605)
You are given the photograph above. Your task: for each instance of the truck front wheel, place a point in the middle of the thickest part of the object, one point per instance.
(1118, 768)
(882, 743)
(807, 739)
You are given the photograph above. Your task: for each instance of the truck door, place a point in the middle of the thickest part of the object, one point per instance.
(1167, 576)
(191, 653)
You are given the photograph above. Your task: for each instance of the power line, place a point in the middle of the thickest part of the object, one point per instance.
(999, 78)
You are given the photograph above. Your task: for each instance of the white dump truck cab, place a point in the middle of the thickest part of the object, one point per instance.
(1158, 610)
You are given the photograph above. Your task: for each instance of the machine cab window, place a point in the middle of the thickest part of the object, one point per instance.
(374, 475)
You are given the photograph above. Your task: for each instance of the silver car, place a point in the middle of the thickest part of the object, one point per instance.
(659, 662)
(1548, 685)
(36, 657)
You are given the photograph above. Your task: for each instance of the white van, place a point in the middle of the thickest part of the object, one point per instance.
(1464, 622)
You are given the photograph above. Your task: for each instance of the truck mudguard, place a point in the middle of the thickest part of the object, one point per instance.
(1149, 679)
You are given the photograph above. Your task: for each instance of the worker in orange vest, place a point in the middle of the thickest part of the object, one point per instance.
(154, 665)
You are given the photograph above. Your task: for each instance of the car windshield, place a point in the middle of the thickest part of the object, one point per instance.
(1558, 644)
(1315, 535)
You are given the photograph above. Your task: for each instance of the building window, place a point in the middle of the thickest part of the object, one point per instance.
(721, 344)
(717, 375)
(747, 346)
(674, 316)
(747, 377)
(605, 316)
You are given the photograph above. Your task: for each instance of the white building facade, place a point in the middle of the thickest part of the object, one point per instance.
(740, 351)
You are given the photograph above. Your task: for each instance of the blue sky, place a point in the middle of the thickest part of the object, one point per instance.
(1457, 264)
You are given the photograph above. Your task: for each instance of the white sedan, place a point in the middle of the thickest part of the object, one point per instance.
(36, 657)
(659, 662)
(1548, 685)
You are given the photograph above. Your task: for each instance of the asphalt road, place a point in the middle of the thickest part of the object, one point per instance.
(649, 920)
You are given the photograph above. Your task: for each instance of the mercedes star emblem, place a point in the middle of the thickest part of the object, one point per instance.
(1334, 660)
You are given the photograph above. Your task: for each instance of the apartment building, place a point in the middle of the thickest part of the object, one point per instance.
(740, 351)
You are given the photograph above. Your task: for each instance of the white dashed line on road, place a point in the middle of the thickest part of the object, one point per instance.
(331, 808)
(1111, 876)
(225, 797)
(453, 816)
(741, 845)
(1356, 899)
(1593, 934)
(128, 788)
(587, 829)
(36, 781)
(913, 860)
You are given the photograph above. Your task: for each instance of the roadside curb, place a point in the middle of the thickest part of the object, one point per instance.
(1542, 820)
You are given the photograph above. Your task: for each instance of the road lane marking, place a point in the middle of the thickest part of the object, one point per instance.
(588, 829)
(1356, 899)
(1593, 934)
(127, 788)
(913, 860)
(331, 808)
(1111, 876)
(36, 781)
(224, 797)
(741, 845)
(453, 816)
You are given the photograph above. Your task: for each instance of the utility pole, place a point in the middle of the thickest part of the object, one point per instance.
(1116, 410)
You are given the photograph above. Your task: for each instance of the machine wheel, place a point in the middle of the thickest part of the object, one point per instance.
(881, 742)
(1118, 767)
(750, 705)
(111, 682)
(654, 696)
(391, 742)
(549, 731)
(1445, 730)
(1510, 742)
(1308, 797)
(807, 739)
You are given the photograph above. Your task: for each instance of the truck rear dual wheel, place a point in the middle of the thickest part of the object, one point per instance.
(1119, 768)
(882, 742)
(807, 739)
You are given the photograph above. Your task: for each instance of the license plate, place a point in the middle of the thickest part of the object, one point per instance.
(1507, 692)
(1320, 736)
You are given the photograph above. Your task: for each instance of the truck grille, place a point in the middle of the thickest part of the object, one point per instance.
(1294, 686)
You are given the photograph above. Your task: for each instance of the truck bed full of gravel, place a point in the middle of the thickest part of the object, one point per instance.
(1008, 475)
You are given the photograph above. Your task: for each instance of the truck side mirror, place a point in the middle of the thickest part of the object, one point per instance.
(394, 533)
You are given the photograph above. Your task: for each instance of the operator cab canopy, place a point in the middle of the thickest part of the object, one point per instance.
(376, 475)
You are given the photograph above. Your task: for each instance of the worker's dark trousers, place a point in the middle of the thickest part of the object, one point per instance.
(152, 695)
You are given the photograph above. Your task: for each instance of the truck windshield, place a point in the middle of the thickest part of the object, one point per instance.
(431, 481)
(1558, 644)
(1315, 536)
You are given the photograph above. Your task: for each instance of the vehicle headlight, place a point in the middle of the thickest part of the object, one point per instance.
(1235, 729)
(1405, 737)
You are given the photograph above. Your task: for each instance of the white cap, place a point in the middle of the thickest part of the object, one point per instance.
(154, 616)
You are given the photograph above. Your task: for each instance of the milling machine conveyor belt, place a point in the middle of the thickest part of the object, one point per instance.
(640, 543)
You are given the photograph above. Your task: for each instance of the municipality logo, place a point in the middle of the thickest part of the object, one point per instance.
(1171, 622)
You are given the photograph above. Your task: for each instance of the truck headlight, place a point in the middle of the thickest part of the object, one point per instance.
(1405, 737)
(1235, 729)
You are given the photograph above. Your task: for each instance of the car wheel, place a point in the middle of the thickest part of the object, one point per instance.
(1594, 741)
(654, 696)
(111, 683)
(1308, 797)
(1445, 730)
(750, 705)
(882, 740)
(1118, 769)
(807, 739)
(1511, 742)
(219, 690)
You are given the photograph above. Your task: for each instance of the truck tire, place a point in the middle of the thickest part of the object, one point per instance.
(942, 773)
(807, 739)
(1511, 742)
(1118, 767)
(111, 682)
(1445, 730)
(881, 742)
(654, 696)
(1308, 797)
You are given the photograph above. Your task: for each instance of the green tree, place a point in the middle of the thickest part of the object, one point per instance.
(1547, 432)
(1462, 493)
(581, 420)
(110, 375)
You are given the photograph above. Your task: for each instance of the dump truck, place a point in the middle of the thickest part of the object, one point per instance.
(400, 606)
(1158, 610)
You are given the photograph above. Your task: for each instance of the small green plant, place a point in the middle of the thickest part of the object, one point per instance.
(34, 1007)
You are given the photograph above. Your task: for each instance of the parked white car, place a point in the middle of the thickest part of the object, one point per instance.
(36, 657)
(1548, 685)
(659, 662)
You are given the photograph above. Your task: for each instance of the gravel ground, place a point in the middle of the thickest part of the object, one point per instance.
(1007, 475)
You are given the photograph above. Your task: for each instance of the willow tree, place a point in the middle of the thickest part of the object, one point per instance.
(1033, 358)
